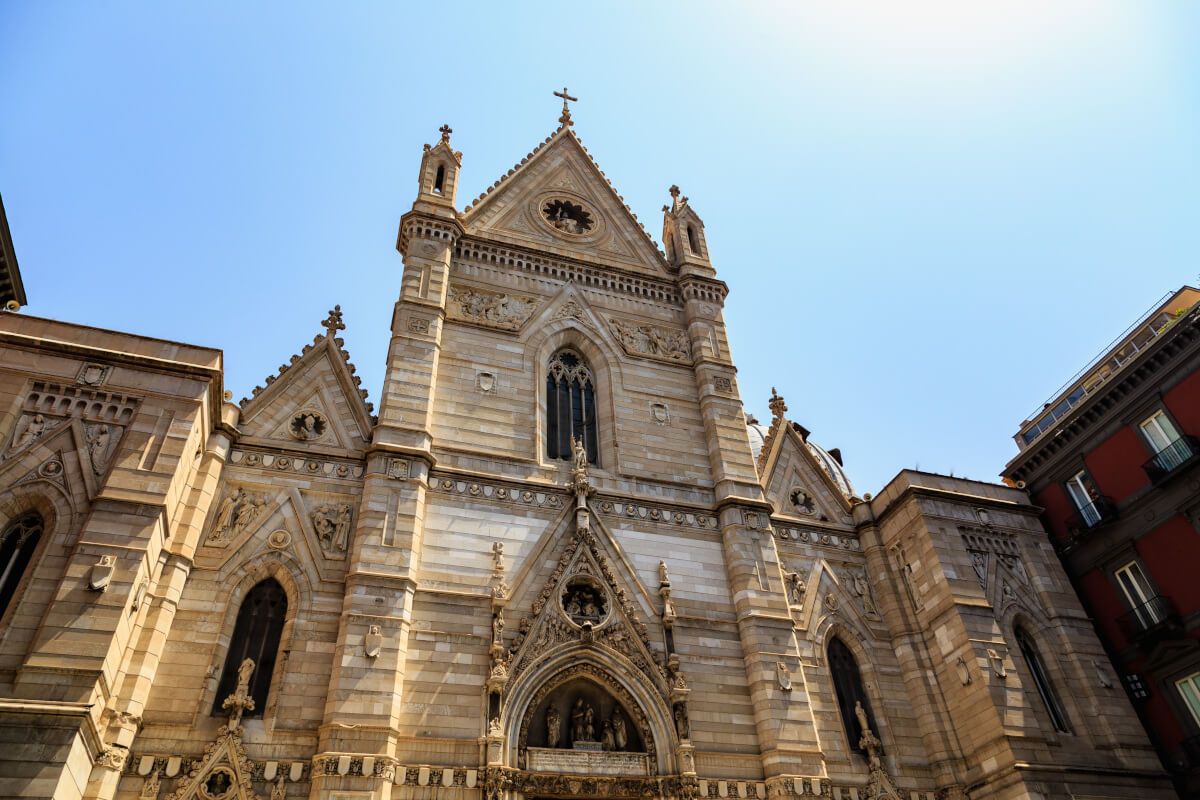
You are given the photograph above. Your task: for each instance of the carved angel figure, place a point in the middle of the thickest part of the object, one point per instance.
(323, 526)
(863, 590)
(795, 588)
(225, 515)
(97, 447)
(35, 426)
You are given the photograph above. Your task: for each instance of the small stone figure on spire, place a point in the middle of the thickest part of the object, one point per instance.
(333, 323)
(446, 131)
(565, 119)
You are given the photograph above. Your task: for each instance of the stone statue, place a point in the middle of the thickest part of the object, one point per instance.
(607, 740)
(342, 528)
(589, 723)
(98, 447)
(498, 627)
(279, 788)
(225, 514)
(580, 453)
(620, 736)
(681, 721)
(323, 526)
(553, 727)
(861, 714)
(494, 728)
(244, 672)
(33, 429)
(784, 676)
(245, 513)
(583, 726)
(663, 578)
(863, 590)
(795, 588)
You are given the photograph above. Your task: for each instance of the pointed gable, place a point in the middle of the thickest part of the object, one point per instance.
(558, 200)
(313, 403)
(796, 485)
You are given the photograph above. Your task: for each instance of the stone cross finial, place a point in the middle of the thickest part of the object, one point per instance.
(446, 131)
(565, 119)
(333, 323)
(776, 404)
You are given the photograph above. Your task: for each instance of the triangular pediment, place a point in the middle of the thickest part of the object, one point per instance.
(313, 404)
(225, 771)
(795, 483)
(590, 599)
(517, 210)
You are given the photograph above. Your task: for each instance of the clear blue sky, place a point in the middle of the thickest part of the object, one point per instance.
(929, 213)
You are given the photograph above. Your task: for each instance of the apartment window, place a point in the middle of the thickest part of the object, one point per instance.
(1189, 689)
(1170, 449)
(1140, 595)
(1085, 495)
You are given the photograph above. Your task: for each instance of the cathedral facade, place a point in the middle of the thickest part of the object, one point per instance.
(560, 562)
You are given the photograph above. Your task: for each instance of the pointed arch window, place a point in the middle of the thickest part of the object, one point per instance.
(1041, 679)
(17, 545)
(693, 242)
(848, 686)
(570, 406)
(440, 178)
(255, 635)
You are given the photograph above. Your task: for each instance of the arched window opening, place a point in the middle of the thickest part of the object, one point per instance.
(693, 242)
(1037, 669)
(440, 178)
(848, 686)
(570, 406)
(17, 545)
(255, 636)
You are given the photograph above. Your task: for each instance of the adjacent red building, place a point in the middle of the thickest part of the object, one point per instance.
(1114, 460)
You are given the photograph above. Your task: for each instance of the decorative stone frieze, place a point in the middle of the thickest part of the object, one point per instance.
(652, 341)
(303, 465)
(499, 310)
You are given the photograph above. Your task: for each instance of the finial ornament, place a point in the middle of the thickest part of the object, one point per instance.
(446, 131)
(776, 404)
(333, 323)
(565, 119)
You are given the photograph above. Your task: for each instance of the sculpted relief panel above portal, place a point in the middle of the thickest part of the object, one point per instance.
(507, 312)
(652, 341)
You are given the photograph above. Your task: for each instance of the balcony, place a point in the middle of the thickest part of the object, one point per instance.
(1155, 619)
(1174, 456)
(1101, 510)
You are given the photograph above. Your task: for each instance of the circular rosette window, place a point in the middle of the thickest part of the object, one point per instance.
(584, 602)
(569, 216)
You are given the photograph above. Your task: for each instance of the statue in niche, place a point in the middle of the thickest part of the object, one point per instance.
(553, 727)
(498, 627)
(681, 721)
(795, 588)
(583, 722)
(607, 738)
(620, 735)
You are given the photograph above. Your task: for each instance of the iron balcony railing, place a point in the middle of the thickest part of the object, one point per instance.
(1101, 510)
(1172, 457)
(1155, 616)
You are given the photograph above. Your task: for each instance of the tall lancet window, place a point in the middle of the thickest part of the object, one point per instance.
(255, 636)
(570, 406)
(17, 544)
(848, 686)
(1041, 680)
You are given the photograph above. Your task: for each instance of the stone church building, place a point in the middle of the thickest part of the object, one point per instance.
(560, 562)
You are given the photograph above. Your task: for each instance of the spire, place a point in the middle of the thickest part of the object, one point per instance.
(565, 119)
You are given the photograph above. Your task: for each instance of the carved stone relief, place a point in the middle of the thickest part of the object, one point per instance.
(492, 309)
(236, 511)
(307, 425)
(668, 344)
(332, 526)
(802, 501)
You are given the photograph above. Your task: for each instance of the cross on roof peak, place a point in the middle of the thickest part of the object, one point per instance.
(565, 119)
(446, 131)
(333, 323)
